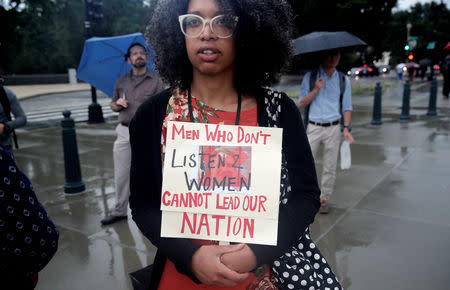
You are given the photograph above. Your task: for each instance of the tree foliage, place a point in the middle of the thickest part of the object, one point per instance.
(363, 18)
(47, 36)
(430, 22)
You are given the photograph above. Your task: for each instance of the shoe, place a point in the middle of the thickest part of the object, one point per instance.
(324, 208)
(110, 219)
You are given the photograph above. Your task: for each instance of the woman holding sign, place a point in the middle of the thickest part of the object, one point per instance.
(219, 57)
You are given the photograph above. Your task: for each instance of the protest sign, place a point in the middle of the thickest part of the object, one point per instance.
(221, 182)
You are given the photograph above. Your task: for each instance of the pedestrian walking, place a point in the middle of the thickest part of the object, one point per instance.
(327, 95)
(9, 104)
(399, 70)
(130, 91)
(220, 56)
(445, 68)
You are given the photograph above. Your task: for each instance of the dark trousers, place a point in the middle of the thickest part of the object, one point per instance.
(446, 87)
(14, 281)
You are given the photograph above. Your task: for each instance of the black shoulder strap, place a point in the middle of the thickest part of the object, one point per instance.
(312, 83)
(5, 103)
(341, 95)
(312, 79)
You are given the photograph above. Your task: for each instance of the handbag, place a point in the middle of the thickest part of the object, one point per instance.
(303, 267)
(141, 279)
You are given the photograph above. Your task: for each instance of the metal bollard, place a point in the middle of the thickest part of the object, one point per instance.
(376, 116)
(73, 184)
(95, 112)
(433, 96)
(405, 105)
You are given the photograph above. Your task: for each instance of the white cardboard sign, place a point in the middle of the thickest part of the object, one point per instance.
(221, 182)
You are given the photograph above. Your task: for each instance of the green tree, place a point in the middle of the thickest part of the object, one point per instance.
(363, 18)
(430, 22)
(47, 36)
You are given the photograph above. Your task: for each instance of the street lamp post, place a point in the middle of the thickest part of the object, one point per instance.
(93, 14)
(408, 28)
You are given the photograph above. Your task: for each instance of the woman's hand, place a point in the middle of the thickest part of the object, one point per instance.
(241, 261)
(208, 268)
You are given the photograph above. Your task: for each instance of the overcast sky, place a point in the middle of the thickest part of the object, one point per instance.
(401, 4)
(405, 4)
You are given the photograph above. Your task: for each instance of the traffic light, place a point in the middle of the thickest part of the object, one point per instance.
(407, 47)
(411, 56)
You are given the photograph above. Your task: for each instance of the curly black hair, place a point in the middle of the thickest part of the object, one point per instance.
(262, 39)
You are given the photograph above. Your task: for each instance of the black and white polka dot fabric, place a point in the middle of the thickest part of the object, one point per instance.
(273, 108)
(28, 238)
(303, 267)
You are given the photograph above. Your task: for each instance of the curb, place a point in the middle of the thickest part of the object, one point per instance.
(49, 93)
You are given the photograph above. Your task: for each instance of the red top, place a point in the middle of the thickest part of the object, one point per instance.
(177, 110)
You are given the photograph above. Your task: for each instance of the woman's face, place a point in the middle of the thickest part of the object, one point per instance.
(208, 53)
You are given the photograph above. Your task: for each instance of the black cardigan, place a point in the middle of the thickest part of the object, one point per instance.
(146, 183)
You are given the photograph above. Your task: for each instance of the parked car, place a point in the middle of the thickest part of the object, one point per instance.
(427, 73)
(362, 71)
(384, 69)
(436, 68)
(353, 72)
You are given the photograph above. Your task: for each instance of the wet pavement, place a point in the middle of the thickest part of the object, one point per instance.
(389, 225)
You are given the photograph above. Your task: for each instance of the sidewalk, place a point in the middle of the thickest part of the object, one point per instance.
(389, 227)
(27, 91)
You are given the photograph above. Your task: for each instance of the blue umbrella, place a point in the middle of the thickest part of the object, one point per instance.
(103, 60)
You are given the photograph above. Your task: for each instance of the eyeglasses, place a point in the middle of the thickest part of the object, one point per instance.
(221, 25)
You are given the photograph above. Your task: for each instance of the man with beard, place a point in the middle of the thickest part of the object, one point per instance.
(130, 91)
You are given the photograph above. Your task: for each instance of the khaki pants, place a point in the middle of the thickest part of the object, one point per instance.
(330, 137)
(122, 164)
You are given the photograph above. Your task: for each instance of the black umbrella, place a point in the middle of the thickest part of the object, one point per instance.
(425, 62)
(324, 40)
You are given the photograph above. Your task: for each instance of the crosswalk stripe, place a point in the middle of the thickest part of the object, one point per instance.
(79, 113)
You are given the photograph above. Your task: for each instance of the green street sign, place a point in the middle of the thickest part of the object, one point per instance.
(431, 45)
(412, 41)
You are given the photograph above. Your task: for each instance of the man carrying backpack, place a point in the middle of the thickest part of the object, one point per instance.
(326, 96)
(9, 104)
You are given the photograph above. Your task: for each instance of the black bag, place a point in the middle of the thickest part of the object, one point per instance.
(140, 279)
